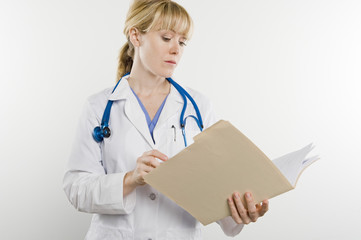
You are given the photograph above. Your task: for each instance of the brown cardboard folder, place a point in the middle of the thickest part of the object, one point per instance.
(221, 160)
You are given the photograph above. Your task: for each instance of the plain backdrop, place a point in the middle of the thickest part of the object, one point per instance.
(285, 72)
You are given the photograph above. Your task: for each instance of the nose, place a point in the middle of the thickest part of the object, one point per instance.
(174, 49)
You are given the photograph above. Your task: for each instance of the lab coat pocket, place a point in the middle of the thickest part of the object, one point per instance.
(176, 141)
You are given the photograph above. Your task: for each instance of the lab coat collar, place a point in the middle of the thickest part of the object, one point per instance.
(123, 91)
(135, 114)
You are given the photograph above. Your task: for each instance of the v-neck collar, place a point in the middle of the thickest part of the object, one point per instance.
(132, 110)
(151, 122)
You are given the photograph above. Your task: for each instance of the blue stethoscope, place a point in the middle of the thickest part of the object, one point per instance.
(103, 131)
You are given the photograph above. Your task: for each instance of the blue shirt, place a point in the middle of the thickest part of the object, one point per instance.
(151, 123)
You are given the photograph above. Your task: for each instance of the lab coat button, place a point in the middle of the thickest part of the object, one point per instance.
(152, 196)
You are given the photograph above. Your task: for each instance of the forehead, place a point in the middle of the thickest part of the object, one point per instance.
(168, 15)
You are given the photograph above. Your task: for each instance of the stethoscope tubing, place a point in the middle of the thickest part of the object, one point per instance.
(103, 131)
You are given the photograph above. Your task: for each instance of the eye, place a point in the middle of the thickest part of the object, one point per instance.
(166, 39)
(183, 44)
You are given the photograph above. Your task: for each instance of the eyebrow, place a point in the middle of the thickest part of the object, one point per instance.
(170, 30)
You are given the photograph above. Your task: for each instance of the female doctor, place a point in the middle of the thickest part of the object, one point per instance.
(106, 177)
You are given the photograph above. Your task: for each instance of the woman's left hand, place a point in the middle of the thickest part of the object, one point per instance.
(240, 214)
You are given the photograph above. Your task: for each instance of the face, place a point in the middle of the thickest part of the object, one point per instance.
(159, 52)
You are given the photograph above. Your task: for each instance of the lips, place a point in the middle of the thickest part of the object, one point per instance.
(171, 62)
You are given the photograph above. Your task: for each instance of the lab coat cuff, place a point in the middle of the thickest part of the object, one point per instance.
(112, 196)
(230, 227)
(130, 199)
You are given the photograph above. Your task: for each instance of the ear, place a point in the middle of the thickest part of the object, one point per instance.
(135, 36)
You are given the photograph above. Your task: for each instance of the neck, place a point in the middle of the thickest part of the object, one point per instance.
(147, 84)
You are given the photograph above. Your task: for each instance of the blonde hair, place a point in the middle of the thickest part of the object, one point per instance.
(147, 15)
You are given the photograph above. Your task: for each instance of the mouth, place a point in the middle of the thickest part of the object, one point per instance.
(171, 62)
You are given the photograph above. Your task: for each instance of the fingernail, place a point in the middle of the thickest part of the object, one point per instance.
(248, 195)
(236, 196)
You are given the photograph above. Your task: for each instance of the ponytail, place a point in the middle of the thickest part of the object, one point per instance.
(125, 60)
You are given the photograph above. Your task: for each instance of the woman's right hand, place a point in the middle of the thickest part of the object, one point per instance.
(145, 163)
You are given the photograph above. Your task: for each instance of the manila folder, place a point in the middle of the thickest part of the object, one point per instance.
(221, 160)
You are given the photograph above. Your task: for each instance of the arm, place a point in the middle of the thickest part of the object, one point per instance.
(98, 193)
(233, 225)
(227, 224)
(85, 183)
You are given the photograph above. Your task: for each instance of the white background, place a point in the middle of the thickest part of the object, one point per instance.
(286, 73)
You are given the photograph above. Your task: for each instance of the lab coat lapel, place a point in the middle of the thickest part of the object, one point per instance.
(172, 106)
(136, 116)
(132, 109)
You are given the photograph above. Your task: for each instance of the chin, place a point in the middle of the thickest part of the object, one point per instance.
(166, 74)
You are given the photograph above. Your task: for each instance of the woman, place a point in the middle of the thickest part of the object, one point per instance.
(107, 177)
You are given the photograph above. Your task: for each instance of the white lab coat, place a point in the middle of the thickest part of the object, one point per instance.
(93, 182)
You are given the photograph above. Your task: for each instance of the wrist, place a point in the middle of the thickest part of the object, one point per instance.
(129, 181)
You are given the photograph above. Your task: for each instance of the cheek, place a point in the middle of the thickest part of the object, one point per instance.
(180, 53)
(151, 54)
(147, 58)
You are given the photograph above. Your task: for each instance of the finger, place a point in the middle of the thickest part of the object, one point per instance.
(264, 208)
(234, 211)
(153, 162)
(141, 173)
(147, 169)
(145, 160)
(242, 211)
(149, 161)
(157, 154)
(251, 206)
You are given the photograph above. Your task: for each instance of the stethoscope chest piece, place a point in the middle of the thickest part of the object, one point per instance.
(100, 133)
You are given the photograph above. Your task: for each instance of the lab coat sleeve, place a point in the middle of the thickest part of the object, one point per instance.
(87, 186)
(210, 116)
(230, 227)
